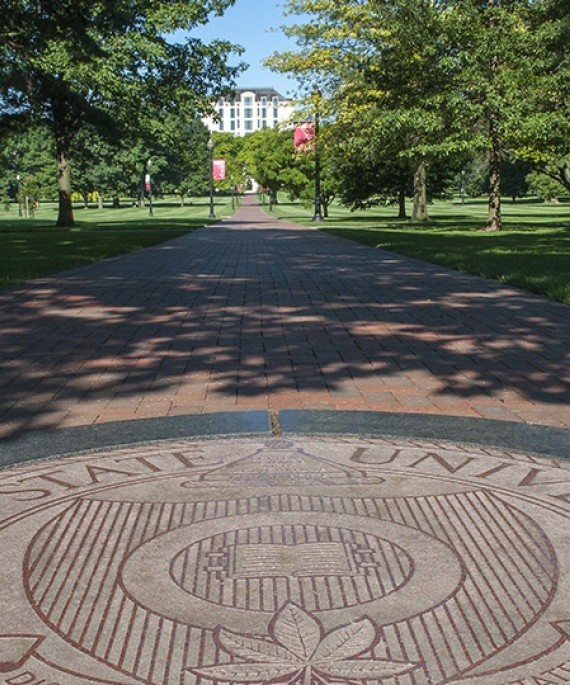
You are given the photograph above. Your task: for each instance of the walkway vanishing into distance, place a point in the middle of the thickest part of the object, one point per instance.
(251, 536)
(255, 313)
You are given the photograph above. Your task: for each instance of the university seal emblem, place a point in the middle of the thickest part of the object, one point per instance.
(305, 561)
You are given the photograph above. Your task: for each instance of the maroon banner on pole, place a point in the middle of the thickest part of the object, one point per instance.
(219, 169)
(304, 134)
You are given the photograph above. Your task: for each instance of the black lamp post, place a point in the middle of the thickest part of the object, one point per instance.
(19, 191)
(210, 146)
(317, 216)
(148, 184)
(18, 181)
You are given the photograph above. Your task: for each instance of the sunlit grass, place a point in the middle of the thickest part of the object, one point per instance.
(32, 248)
(532, 252)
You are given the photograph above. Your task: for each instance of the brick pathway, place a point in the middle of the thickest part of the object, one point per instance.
(256, 313)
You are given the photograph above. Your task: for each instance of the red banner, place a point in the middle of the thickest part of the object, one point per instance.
(304, 134)
(219, 169)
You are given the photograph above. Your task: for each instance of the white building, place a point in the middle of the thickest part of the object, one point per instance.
(252, 109)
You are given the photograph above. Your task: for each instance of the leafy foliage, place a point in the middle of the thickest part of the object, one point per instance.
(425, 82)
(269, 157)
(109, 64)
(27, 154)
(230, 148)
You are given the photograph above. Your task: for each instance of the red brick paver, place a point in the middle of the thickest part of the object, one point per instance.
(257, 313)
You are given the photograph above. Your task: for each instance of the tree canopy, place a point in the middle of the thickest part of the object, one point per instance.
(112, 64)
(422, 81)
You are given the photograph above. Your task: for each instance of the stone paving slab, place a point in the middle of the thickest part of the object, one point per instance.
(291, 559)
(257, 314)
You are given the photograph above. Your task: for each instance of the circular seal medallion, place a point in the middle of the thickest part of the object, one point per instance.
(309, 560)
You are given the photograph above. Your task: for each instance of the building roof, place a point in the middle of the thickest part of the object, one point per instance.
(267, 92)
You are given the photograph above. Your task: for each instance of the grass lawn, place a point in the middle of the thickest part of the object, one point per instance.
(32, 248)
(532, 252)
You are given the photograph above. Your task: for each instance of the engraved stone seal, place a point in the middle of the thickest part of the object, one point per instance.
(304, 561)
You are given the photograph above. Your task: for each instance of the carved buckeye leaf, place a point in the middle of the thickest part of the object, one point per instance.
(296, 630)
(252, 648)
(301, 653)
(347, 641)
(248, 673)
(361, 669)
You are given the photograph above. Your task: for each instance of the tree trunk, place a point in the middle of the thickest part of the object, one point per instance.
(65, 215)
(494, 222)
(563, 176)
(420, 211)
(494, 219)
(402, 202)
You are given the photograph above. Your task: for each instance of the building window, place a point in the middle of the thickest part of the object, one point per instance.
(248, 101)
(233, 125)
(248, 125)
(221, 127)
(248, 113)
(275, 113)
(264, 101)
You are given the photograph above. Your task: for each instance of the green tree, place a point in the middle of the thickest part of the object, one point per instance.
(495, 52)
(68, 62)
(31, 194)
(544, 138)
(381, 67)
(268, 154)
(110, 169)
(546, 186)
(96, 171)
(181, 164)
(429, 80)
(298, 179)
(231, 149)
(28, 153)
(366, 184)
(513, 178)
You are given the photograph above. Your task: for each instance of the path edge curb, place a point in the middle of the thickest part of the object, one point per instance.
(543, 441)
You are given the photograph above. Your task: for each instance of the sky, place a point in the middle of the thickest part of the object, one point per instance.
(249, 23)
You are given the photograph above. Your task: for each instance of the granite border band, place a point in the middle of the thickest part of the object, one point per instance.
(546, 441)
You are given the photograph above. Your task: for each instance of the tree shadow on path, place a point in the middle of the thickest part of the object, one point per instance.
(252, 307)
